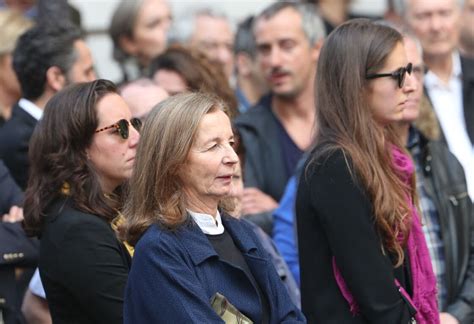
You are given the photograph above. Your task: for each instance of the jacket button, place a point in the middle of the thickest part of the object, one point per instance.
(427, 168)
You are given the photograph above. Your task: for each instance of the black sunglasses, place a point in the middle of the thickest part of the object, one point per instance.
(398, 75)
(122, 126)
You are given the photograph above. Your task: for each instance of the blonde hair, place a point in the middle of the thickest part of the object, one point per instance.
(12, 25)
(156, 195)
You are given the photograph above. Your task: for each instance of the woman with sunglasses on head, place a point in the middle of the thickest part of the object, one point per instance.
(81, 153)
(363, 257)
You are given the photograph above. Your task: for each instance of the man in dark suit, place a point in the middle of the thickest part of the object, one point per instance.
(449, 82)
(45, 60)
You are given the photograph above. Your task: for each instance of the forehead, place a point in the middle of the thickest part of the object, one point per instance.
(412, 50)
(214, 125)
(153, 8)
(417, 6)
(212, 28)
(111, 108)
(286, 23)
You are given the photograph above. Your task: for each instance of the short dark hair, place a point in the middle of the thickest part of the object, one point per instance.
(58, 156)
(244, 38)
(40, 48)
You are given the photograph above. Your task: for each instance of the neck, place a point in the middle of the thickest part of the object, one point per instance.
(251, 89)
(200, 204)
(334, 11)
(441, 66)
(302, 105)
(402, 129)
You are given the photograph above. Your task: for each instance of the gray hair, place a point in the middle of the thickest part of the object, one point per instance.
(312, 24)
(183, 27)
(122, 24)
(400, 6)
(404, 30)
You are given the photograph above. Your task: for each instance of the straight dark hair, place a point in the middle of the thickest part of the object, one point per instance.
(58, 160)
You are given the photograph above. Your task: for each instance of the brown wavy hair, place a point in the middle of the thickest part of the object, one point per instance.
(166, 138)
(198, 72)
(344, 121)
(58, 157)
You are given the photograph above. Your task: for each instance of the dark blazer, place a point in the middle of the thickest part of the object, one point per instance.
(16, 250)
(334, 219)
(10, 193)
(15, 136)
(467, 68)
(175, 274)
(83, 267)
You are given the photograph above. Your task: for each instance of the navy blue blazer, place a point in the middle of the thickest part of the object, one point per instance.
(15, 137)
(175, 273)
(10, 193)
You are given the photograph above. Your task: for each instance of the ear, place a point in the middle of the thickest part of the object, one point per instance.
(128, 45)
(316, 49)
(55, 78)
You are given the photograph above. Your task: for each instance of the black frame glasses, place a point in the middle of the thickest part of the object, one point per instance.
(122, 126)
(398, 75)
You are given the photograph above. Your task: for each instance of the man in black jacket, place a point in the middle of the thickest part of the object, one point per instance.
(45, 60)
(446, 209)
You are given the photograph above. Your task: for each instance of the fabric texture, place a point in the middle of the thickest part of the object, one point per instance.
(180, 272)
(83, 266)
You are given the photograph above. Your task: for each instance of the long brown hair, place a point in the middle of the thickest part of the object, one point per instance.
(166, 138)
(345, 121)
(58, 158)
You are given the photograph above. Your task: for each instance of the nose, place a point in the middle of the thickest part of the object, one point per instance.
(133, 137)
(230, 156)
(275, 57)
(435, 22)
(411, 83)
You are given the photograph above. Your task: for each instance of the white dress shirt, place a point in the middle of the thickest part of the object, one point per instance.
(32, 109)
(209, 224)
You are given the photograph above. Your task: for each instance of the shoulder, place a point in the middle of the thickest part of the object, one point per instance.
(257, 116)
(326, 165)
(467, 67)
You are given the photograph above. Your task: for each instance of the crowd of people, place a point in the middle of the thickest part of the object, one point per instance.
(303, 166)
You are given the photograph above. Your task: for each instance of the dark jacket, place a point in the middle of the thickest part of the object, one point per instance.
(445, 184)
(335, 219)
(83, 266)
(15, 136)
(175, 274)
(264, 165)
(10, 193)
(16, 250)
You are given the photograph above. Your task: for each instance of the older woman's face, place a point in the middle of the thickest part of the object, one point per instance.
(112, 155)
(207, 174)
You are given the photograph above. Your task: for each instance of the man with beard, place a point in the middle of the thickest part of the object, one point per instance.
(277, 131)
(45, 60)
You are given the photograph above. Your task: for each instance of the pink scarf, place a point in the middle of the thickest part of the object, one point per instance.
(423, 278)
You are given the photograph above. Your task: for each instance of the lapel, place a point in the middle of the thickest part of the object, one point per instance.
(21, 117)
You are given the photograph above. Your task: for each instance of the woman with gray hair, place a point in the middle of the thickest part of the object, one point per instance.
(139, 33)
(194, 262)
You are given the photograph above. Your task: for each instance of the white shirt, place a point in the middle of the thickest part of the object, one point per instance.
(31, 108)
(35, 286)
(448, 105)
(207, 223)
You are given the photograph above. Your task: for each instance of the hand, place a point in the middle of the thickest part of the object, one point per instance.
(255, 201)
(446, 318)
(14, 215)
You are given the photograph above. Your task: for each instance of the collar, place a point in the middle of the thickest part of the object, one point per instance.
(32, 109)
(199, 247)
(432, 80)
(208, 224)
(413, 138)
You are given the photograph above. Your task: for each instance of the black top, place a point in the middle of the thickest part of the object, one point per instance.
(83, 267)
(335, 220)
(228, 252)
